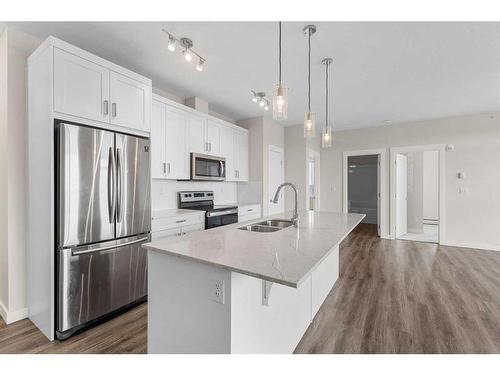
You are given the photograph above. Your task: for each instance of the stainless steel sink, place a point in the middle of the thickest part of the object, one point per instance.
(278, 223)
(259, 228)
(268, 226)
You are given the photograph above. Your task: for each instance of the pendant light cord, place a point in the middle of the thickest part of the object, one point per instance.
(327, 65)
(309, 75)
(279, 52)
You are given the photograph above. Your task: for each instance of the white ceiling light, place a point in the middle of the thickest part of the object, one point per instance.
(280, 98)
(171, 43)
(260, 97)
(187, 45)
(326, 134)
(199, 65)
(309, 118)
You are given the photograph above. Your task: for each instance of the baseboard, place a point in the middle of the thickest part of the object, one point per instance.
(471, 245)
(14, 316)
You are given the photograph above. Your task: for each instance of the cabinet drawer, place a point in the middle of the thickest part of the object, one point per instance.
(250, 209)
(242, 218)
(176, 221)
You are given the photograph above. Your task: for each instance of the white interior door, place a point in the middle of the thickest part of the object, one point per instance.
(401, 195)
(275, 179)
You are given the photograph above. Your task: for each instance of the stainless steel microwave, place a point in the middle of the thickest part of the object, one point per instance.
(207, 167)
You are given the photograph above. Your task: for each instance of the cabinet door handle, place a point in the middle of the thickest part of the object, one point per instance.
(113, 109)
(164, 168)
(105, 108)
(181, 221)
(235, 173)
(210, 146)
(168, 168)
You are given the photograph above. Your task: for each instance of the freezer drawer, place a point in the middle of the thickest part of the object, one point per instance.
(95, 280)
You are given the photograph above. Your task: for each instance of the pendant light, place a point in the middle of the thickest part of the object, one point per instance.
(326, 134)
(309, 118)
(280, 98)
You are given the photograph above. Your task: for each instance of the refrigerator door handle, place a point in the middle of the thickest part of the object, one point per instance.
(93, 249)
(111, 186)
(119, 186)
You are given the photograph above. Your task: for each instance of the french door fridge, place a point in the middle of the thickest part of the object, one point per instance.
(103, 216)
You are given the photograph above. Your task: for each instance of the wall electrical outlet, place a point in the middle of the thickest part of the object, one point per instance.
(219, 291)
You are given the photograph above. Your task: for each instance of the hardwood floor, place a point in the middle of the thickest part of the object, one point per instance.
(123, 334)
(408, 297)
(391, 297)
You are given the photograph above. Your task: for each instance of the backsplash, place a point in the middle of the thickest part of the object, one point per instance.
(164, 192)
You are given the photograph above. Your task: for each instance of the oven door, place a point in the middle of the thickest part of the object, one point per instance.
(220, 218)
(207, 167)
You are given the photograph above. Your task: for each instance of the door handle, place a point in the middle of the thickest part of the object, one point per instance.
(88, 249)
(106, 107)
(113, 109)
(221, 168)
(111, 185)
(119, 185)
(168, 168)
(164, 168)
(209, 146)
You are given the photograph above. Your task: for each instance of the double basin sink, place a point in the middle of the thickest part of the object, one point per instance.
(268, 226)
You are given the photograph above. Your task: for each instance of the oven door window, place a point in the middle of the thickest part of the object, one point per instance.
(209, 168)
(217, 221)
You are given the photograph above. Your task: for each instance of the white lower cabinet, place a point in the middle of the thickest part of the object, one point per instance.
(249, 212)
(169, 131)
(166, 224)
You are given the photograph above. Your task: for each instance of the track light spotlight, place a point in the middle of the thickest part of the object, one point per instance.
(171, 43)
(187, 55)
(199, 65)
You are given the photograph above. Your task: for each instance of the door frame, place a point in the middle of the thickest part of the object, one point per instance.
(382, 152)
(281, 151)
(441, 148)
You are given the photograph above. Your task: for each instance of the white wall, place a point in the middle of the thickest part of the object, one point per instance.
(262, 132)
(16, 47)
(296, 166)
(471, 218)
(164, 192)
(431, 185)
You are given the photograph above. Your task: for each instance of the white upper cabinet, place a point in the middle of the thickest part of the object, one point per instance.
(197, 140)
(96, 92)
(130, 102)
(81, 88)
(169, 154)
(176, 131)
(176, 153)
(213, 137)
(158, 161)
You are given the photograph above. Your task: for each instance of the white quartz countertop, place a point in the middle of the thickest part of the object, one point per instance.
(159, 214)
(286, 257)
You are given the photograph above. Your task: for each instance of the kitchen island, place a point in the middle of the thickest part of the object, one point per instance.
(233, 290)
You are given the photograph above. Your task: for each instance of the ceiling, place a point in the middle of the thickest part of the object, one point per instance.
(382, 72)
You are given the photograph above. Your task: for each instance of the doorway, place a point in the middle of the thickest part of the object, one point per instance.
(275, 178)
(313, 182)
(417, 198)
(364, 186)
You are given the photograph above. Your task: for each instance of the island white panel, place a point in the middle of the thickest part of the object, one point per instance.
(276, 328)
(323, 279)
(182, 315)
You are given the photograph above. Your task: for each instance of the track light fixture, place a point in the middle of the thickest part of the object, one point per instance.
(187, 52)
(260, 98)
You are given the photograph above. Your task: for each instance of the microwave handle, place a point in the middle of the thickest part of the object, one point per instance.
(221, 168)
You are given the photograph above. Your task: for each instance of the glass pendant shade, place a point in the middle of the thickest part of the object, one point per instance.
(326, 137)
(280, 103)
(309, 125)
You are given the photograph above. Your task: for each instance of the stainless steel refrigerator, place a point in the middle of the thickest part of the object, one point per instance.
(103, 216)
